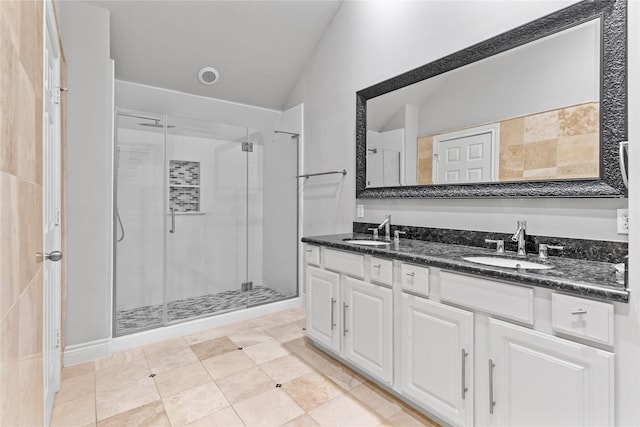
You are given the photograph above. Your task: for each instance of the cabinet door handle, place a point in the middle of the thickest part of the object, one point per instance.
(464, 373)
(377, 265)
(411, 274)
(309, 251)
(579, 311)
(492, 403)
(344, 319)
(333, 307)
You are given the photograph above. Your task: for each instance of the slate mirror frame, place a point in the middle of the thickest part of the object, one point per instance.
(613, 108)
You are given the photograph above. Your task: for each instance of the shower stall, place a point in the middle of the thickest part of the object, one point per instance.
(206, 219)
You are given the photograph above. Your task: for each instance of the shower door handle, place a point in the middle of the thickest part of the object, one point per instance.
(173, 220)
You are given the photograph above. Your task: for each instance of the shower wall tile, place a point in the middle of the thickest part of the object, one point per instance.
(185, 199)
(184, 185)
(183, 172)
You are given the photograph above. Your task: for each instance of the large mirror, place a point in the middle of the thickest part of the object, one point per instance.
(537, 111)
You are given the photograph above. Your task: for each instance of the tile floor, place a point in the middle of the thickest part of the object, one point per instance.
(260, 372)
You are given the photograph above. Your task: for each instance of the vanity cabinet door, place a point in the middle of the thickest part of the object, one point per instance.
(323, 307)
(367, 328)
(542, 380)
(437, 358)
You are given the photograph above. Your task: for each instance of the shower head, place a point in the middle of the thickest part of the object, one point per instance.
(156, 124)
(293, 134)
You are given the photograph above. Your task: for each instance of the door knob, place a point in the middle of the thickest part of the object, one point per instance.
(53, 256)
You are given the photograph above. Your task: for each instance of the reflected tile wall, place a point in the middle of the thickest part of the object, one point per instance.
(21, 311)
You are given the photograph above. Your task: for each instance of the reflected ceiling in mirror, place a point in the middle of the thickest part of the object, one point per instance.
(537, 111)
(530, 113)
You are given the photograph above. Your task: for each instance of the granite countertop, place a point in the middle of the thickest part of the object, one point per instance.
(586, 278)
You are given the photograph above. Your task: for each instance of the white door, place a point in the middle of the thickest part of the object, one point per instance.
(466, 156)
(367, 328)
(542, 380)
(51, 205)
(437, 358)
(323, 302)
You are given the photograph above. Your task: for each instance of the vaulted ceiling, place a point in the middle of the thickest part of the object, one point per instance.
(260, 48)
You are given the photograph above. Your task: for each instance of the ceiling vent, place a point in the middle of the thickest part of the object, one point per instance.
(208, 75)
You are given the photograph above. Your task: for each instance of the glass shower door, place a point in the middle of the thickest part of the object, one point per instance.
(206, 199)
(139, 222)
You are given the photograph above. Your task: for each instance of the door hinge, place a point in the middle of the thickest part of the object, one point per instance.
(57, 218)
(58, 339)
(247, 146)
(56, 93)
(246, 286)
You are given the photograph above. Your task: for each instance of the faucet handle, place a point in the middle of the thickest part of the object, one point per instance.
(543, 250)
(375, 232)
(499, 245)
(396, 235)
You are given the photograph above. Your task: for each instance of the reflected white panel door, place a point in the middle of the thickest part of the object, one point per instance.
(467, 157)
(391, 175)
(323, 302)
(51, 161)
(375, 168)
(367, 327)
(542, 380)
(437, 358)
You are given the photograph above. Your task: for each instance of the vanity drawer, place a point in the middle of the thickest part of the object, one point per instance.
(508, 301)
(582, 318)
(344, 262)
(415, 278)
(381, 270)
(312, 254)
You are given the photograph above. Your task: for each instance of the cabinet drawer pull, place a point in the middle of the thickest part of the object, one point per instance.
(333, 305)
(464, 378)
(579, 311)
(309, 251)
(411, 274)
(491, 401)
(377, 265)
(344, 319)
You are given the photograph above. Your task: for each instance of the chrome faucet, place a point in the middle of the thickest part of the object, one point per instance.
(519, 236)
(387, 228)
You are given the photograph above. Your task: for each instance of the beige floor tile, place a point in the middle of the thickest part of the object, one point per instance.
(79, 412)
(265, 351)
(302, 421)
(345, 410)
(173, 345)
(121, 399)
(376, 399)
(149, 415)
(181, 379)
(172, 359)
(312, 390)
(409, 419)
(76, 387)
(119, 376)
(76, 370)
(213, 348)
(202, 336)
(245, 384)
(224, 418)
(288, 329)
(194, 404)
(121, 358)
(227, 364)
(284, 369)
(327, 365)
(249, 337)
(271, 408)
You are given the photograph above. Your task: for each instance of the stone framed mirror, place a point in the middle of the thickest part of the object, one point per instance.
(538, 111)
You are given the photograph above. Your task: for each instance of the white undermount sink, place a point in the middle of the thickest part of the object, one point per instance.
(366, 242)
(507, 262)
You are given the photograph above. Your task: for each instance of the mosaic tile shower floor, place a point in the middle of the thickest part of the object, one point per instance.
(140, 318)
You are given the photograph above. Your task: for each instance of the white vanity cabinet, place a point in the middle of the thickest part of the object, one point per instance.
(437, 358)
(323, 303)
(537, 379)
(367, 327)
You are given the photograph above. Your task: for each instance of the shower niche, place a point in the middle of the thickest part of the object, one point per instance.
(197, 216)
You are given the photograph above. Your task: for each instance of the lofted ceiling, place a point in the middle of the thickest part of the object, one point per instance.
(260, 48)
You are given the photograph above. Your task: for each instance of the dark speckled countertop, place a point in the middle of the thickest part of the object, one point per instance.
(586, 278)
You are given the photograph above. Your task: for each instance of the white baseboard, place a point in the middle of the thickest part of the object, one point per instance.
(87, 352)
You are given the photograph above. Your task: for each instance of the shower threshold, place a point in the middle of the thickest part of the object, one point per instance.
(150, 316)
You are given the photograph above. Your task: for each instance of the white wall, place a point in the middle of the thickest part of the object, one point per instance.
(362, 47)
(85, 39)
